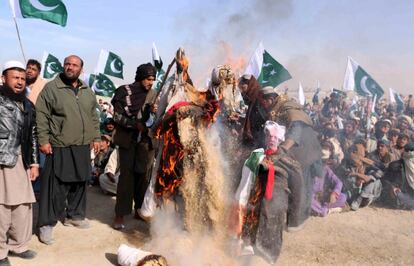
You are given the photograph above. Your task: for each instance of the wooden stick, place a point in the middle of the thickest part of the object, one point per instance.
(20, 41)
(164, 79)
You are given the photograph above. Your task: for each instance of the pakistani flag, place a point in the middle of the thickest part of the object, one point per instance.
(110, 64)
(101, 85)
(158, 65)
(266, 69)
(51, 66)
(357, 79)
(50, 10)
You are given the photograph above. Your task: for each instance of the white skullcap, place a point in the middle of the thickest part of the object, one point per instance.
(247, 76)
(280, 130)
(13, 64)
(268, 90)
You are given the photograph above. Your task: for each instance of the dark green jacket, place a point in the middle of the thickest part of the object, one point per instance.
(64, 118)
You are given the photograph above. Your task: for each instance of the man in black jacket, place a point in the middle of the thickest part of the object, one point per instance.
(18, 164)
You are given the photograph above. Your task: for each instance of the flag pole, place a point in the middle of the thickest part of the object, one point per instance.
(20, 40)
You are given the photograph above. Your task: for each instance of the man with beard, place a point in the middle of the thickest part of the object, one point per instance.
(18, 164)
(68, 127)
(35, 85)
(33, 80)
(136, 152)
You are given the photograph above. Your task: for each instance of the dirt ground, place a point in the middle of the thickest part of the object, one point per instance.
(371, 236)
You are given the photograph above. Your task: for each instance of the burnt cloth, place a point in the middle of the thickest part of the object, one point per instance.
(265, 220)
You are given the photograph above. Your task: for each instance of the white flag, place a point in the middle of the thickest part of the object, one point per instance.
(349, 80)
(301, 95)
(392, 96)
(254, 67)
(155, 55)
(374, 102)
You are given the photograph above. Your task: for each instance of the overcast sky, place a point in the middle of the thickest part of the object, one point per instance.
(312, 39)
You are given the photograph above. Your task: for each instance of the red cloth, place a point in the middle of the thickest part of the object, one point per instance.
(176, 106)
(270, 176)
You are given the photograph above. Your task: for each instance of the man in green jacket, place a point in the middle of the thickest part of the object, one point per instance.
(68, 126)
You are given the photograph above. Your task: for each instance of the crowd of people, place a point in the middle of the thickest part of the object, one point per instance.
(289, 161)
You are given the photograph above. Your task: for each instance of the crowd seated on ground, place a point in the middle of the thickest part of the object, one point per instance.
(373, 160)
(366, 157)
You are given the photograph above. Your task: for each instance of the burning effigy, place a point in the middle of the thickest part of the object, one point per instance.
(190, 171)
(183, 173)
(262, 197)
(186, 172)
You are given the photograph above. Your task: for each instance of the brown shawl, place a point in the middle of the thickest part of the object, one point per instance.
(251, 96)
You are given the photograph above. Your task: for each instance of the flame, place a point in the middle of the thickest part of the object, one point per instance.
(251, 218)
(238, 64)
(169, 175)
(183, 61)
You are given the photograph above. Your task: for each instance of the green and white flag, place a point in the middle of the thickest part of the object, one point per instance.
(50, 10)
(358, 80)
(110, 64)
(100, 84)
(51, 66)
(266, 69)
(158, 65)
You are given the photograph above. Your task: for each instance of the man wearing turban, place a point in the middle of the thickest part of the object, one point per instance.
(132, 109)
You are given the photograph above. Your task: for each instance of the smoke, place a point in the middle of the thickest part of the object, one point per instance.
(181, 247)
(193, 230)
(228, 32)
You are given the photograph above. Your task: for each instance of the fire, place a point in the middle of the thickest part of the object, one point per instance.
(251, 218)
(238, 64)
(168, 175)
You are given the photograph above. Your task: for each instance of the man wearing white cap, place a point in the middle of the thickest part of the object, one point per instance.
(18, 164)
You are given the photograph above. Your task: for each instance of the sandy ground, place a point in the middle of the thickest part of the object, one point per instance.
(371, 236)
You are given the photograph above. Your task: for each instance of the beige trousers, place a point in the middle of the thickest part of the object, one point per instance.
(15, 228)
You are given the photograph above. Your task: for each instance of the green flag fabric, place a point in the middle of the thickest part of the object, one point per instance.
(358, 80)
(273, 73)
(266, 69)
(253, 161)
(53, 11)
(365, 85)
(110, 64)
(157, 61)
(101, 85)
(158, 79)
(51, 66)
